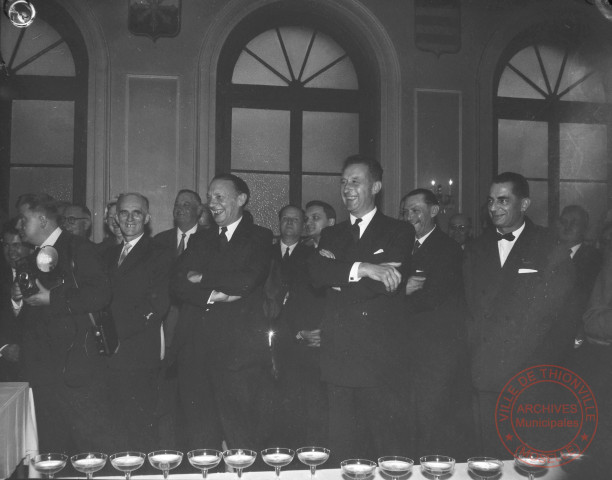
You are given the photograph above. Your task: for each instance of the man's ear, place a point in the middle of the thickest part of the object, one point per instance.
(242, 198)
(435, 209)
(331, 222)
(43, 221)
(147, 218)
(376, 187)
(525, 202)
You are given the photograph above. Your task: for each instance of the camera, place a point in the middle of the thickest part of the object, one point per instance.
(27, 273)
(42, 265)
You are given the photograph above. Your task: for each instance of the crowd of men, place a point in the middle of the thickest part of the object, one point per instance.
(372, 336)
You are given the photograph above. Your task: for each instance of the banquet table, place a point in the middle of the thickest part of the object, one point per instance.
(509, 472)
(17, 425)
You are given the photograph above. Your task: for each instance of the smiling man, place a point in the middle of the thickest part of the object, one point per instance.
(517, 285)
(221, 336)
(361, 349)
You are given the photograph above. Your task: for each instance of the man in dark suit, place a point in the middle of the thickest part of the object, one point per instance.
(434, 309)
(360, 347)
(222, 332)
(139, 272)
(319, 215)
(60, 357)
(13, 250)
(516, 284)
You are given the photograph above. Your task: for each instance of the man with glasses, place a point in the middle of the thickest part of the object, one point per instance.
(460, 229)
(77, 220)
(139, 270)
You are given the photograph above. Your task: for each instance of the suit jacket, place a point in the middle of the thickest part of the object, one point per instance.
(439, 307)
(359, 341)
(140, 302)
(517, 319)
(57, 342)
(234, 333)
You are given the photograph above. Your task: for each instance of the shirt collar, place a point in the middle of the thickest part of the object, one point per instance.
(231, 228)
(284, 246)
(574, 249)
(188, 233)
(516, 233)
(51, 239)
(365, 220)
(134, 241)
(424, 237)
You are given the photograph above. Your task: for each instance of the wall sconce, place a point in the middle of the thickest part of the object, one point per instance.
(21, 13)
(446, 200)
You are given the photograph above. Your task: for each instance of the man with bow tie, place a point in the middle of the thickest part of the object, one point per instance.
(139, 271)
(516, 284)
(361, 349)
(221, 335)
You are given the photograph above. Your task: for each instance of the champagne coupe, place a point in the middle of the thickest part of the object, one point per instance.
(204, 459)
(49, 463)
(165, 460)
(239, 458)
(313, 457)
(88, 463)
(127, 462)
(437, 465)
(277, 458)
(395, 466)
(358, 468)
(484, 467)
(531, 462)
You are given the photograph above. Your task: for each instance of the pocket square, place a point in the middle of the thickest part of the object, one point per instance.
(527, 270)
(380, 250)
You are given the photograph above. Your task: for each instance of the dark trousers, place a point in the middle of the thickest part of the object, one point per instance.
(74, 419)
(133, 402)
(489, 443)
(369, 422)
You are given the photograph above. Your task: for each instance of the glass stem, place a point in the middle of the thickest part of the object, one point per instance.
(204, 473)
(128, 474)
(166, 474)
(277, 472)
(313, 470)
(239, 472)
(89, 475)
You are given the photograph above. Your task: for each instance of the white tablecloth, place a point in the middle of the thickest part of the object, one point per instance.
(18, 436)
(461, 473)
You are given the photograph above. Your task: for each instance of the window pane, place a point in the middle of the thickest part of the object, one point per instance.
(538, 209)
(250, 71)
(267, 47)
(325, 51)
(57, 182)
(269, 193)
(578, 66)
(591, 196)
(341, 75)
(296, 43)
(326, 188)
(511, 85)
(42, 132)
(584, 150)
(260, 139)
(329, 137)
(523, 148)
(552, 58)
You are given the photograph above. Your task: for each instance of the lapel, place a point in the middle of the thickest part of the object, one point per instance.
(134, 256)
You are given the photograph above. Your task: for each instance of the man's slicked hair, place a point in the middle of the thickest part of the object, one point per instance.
(299, 209)
(428, 196)
(327, 208)
(144, 199)
(191, 192)
(520, 186)
(30, 198)
(41, 205)
(374, 167)
(239, 184)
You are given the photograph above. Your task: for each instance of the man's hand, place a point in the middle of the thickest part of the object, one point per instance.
(220, 297)
(194, 277)
(312, 338)
(326, 254)
(414, 283)
(40, 299)
(385, 272)
(11, 353)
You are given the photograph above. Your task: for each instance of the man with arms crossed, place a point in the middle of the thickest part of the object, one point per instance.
(358, 262)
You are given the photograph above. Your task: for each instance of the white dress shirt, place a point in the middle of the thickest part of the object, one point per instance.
(505, 246)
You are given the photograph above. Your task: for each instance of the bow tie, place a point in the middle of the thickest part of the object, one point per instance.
(507, 236)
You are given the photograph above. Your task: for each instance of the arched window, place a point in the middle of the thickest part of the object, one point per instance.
(552, 116)
(293, 102)
(43, 107)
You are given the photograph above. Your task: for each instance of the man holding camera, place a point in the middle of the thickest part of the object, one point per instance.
(60, 357)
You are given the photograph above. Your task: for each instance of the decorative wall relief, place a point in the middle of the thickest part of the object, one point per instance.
(154, 18)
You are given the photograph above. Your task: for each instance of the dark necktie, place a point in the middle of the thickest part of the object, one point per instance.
(181, 247)
(416, 246)
(507, 236)
(222, 237)
(286, 254)
(355, 230)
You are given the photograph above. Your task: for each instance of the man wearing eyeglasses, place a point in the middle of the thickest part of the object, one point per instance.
(460, 229)
(139, 270)
(77, 220)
